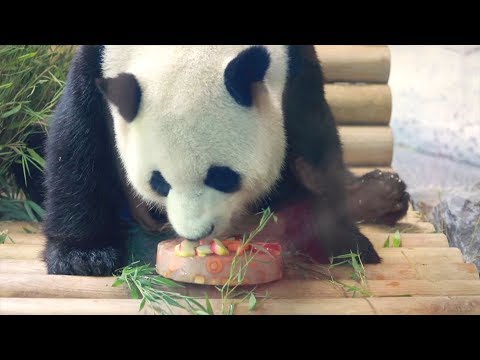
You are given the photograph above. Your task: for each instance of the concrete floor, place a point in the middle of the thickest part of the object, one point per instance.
(436, 125)
(436, 99)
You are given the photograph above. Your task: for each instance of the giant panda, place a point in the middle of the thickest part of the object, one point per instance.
(200, 139)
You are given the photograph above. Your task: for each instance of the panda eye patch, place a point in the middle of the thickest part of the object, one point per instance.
(223, 179)
(159, 184)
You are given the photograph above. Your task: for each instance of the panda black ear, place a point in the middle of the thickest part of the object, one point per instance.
(248, 67)
(124, 92)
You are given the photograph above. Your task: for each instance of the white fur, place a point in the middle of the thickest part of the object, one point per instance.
(188, 121)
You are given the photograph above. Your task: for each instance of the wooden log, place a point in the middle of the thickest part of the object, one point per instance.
(21, 252)
(367, 145)
(61, 286)
(355, 63)
(48, 306)
(432, 272)
(420, 255)
(377, 239)
(313, 289)
(448, 271)
(431, 248)
(27, 239)
(360, 104)
(419, 227)
(408, 240)
(413, 217)
(19, 226)
(442, 305)
(8, 266)
(425, 255)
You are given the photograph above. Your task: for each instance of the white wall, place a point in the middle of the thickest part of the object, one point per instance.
(436, 99)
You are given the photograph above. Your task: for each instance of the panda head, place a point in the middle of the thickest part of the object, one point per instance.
(199, 129)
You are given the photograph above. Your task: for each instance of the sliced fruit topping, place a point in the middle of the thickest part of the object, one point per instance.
(185, 248)
(218, 248)
(204, 250)
(205, 242)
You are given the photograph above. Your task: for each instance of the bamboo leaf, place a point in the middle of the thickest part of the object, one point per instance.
(28, 56)
(118, 282)
(397, 241)
(159, 280)
(386, 244)
(37, 209)
(11, 112)
(134, 292)
(28, 209)
(209, 305)
(356, 266)
(6, 86)
(37, 158)
(201, 312)
(142, 304)
(28, 231)
(252, 302)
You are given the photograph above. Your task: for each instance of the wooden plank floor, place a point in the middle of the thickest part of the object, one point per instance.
(424, 276)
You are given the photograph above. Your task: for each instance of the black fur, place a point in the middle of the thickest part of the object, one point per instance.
(159, 184)
(248, 67)
(223, 179)
(85, 186)
(83, 190)
(124, 91)
(315, 160)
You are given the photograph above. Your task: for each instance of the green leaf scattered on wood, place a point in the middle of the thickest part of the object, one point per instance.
(386, 244)
(252, 302)
(397, 241)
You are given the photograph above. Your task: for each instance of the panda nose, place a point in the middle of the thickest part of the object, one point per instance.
(159, 184)
(223, 179)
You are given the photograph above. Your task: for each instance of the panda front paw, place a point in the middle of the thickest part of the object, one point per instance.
(62, 259)
(379, 197)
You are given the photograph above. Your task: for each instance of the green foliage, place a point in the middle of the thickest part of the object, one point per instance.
(397, 241)
(143, 283)
(32, 78)
(354, 260)
(239, 267)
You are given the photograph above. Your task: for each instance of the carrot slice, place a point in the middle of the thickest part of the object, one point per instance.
(214, 265)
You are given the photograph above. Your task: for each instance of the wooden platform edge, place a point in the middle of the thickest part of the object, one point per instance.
(442, 305)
